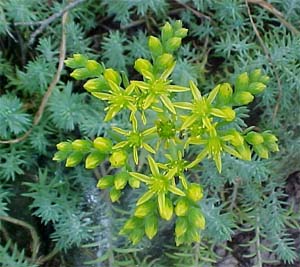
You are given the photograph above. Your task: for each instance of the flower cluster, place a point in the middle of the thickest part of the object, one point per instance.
(162, 130)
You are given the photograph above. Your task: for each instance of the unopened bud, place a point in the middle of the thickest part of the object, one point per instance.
(77, 61)
(151, 226)
(64, 146)
(256, 87)
(103, 144)
(196, 218)
(181, 33)
(255, 75)
(254, 138)
(114, 194)
(181, 226)
(121, 179)
(155, 46)
(261, 151)
(166, 32)
(81, 145)
(173, 44)
(242, 82)
(105, 182)
(142, 64)
(95, 85)
(74, 159)
(182, 207)
(94, 67)
(94, 159)
(118, 158)
(164, 61)
(243, 98)
(195, 192)
(144, 209)
(112, 75)
(134, 183)
(80, 74)
(166, 211)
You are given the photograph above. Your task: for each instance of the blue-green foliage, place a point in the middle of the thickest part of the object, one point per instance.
(14, 120)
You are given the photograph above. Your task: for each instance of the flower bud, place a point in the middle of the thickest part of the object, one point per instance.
(64, 146)
(142, 64)
(181, 33)
(237, 139)
(61, 155)
(81, 145)
(256, 88)
(182, 207)
(112, 75)
(264, 79)
(103, 144)
(244, 151)
(196, 218)
(270, 141)
(94, 67)
(74, 159)
(166, 32)
(166, 211)
(80, 74)
(118, 158)
(242, 82)
(225, 93)
(134, 183)
(131, 223)
(193, 235)
(151, 226)
(181, 226)
(136, 235)
(261, 151)
(144, 209)
(121, 179)
(94, 159)
(164, 61)
(254, 138)
(173, 44)
(78, 61)
(155, 46)
(255, 75)
(105, 182)
(114, 194)
(243, 98)
(195, 192)
(95, 85)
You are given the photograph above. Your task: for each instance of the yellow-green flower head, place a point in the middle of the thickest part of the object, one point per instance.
(118, 158)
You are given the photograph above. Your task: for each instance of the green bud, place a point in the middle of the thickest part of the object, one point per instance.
(118, 158)
(244, 151)
(225, 93)
(142, 64)
(181, 33)
(74, 159)
(243, 98)
(112, 75)
(121, 179)
(134, 183)
(155, 46)
(95, 85)
(166, 32)
(103, 144)
(64, 146)
(94, 159)
(151, 226)
(264, 79)
(261, 151)
(144, 209)
(94, 67)
(81, 145)
(166, 212)
(78, 61)
(136, 236)
(242, 82)
(182, 207)
(173, 44)
(114, 194)
(164, 61)
(256, 88)
(237, 139)
(254, 138)
(177, 25)
(61, 155)
(80, 74)
(181, 226)
(196, 218)
(270, 141)
(255, 75)
(131, 224)
(105, 182)
(195, 192)
(193, 235)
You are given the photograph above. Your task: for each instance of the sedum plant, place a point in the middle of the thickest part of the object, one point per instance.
(163, 132)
